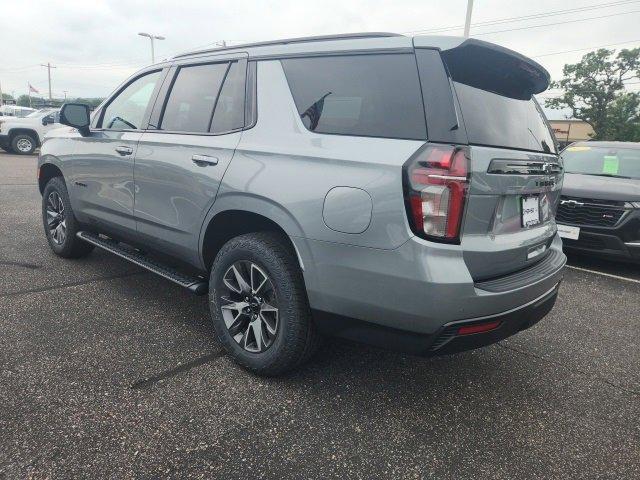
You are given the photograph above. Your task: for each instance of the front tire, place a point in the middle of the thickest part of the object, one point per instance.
(259, 304)
(23, 144)
(60, 224)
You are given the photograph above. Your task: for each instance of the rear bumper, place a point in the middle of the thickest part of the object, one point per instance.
(448, 338)
(621, 241)
(449, 341)
(416, 290)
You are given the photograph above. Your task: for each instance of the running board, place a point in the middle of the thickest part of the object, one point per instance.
(194, 284)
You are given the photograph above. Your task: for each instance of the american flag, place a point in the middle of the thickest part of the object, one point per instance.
(32, 89)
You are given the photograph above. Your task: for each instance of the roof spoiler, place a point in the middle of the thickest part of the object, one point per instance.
(493, 68)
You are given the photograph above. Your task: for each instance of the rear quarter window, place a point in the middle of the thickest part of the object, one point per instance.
(376, 95)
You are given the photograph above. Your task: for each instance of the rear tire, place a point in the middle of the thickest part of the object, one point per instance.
(23, 144)
(60, 224)
(263, 319)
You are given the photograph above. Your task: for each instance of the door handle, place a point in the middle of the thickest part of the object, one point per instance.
(124, 150)
(204, 160)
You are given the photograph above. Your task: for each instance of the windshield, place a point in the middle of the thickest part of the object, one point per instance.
(37, 113)
(22, 112)
(602, 161)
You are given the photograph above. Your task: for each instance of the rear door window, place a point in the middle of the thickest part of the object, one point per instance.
(192, 98)
(229, 114)
(361, 95)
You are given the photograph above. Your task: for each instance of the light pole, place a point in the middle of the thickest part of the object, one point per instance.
(152, 38)
(467, 23)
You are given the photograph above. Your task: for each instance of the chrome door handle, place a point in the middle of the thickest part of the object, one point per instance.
(204, 160)
(124, 150)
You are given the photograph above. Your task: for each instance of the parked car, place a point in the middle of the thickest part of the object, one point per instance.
(24, 135)
(599, 211)
(394, 190)
(15, 111)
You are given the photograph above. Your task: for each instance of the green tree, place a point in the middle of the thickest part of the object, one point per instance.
(594, 90)
(92, 102)
(23, 100)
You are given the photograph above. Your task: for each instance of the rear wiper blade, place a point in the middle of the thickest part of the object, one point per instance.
(612, 175)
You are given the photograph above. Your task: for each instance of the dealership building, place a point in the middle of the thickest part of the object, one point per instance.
(569, 131)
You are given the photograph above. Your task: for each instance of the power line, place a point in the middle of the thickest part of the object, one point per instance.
(585, 48)
(558, 23)
(527, 17)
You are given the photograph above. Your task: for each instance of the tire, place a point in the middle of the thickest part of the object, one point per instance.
(288, 335)
(23, 144)
(61, 229)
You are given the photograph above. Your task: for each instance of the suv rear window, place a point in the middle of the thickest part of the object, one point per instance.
(360, 95)
(494, 88)
(497, 120)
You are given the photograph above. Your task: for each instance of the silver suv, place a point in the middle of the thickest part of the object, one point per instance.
(394, 190)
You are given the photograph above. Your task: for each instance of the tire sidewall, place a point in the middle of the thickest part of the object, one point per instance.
(282, 284)
(17, 138)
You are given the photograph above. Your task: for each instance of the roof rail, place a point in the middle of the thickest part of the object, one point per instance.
(286, 41)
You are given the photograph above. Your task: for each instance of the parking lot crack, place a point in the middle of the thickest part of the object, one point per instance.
(31, 266)
(147, 382)
(576, 370)
(71, 284)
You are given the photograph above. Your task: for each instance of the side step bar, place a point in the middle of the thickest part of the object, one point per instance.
(194, 284)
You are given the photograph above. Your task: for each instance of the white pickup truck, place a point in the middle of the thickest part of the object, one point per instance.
(24, 135)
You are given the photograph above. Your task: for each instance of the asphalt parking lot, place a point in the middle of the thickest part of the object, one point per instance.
(109, 371)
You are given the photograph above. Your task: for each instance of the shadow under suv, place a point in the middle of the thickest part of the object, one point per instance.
(394, 190)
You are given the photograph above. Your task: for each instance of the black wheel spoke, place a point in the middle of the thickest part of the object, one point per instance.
(249, 306)
(55, 217)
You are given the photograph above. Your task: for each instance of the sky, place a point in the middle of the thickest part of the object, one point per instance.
(95, 44)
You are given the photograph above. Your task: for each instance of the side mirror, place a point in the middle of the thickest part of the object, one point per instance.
(76, 115)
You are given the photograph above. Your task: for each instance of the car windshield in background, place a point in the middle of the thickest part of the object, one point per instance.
(39, 113)
(602, 161)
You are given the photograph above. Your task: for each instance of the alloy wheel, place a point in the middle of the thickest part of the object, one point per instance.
(56, 220)
(249, 306)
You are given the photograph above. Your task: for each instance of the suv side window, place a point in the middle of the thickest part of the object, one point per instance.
(126, 111)
(375, 95)
(192, 98)
(229, 114)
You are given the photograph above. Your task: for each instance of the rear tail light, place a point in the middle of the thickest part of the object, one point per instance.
(436, 181)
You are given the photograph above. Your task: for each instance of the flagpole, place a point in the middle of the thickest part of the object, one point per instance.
(29, 93)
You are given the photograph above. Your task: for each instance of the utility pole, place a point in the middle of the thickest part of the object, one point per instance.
(1, 99)
(65, 95)
(467, 23)
(152, 38)
(49, 67)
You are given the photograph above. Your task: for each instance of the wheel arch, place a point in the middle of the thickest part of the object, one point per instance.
(24, 131)
(46, 172)
(227, 224)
